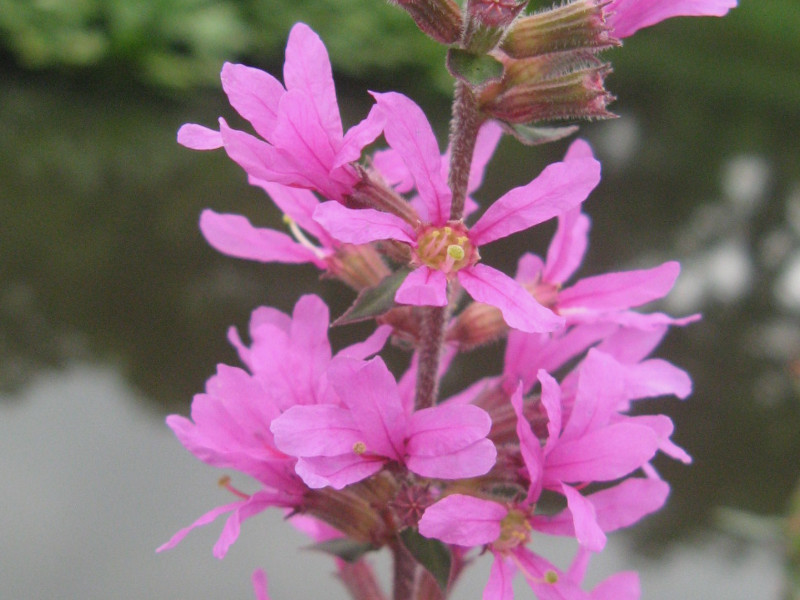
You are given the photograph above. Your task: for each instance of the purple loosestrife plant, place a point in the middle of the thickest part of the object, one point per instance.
(361, 459)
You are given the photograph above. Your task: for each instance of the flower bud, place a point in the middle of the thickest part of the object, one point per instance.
(372, 192)
(578, 25)
(487, 21)
(353, 510)
(545, 88)
(359, 266)
(476, 325)
(438, 19)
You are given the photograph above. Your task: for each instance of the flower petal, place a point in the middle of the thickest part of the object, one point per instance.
(359, 136)
(566, 250)
(262, 160)
(551, 400)
(663, 427)
(259, 580)
(520, 310)
(298, 204)
(423, 287)
(463, 520)
(486, 143)
(308, 69)
(372, 345)
(370, 392)
(587, 531)
(207, 518)
(198, 137)
(617, 291)
(501, 578)
(560, 187)
(407, 130)
(316, 430)
(620, 586)
(473, 460)
(257, 503)
(535, 568)
(656, 377)
(602, 455)
(235, 236)
(300, 135)
(614, 508)
(626, 17)
(449, 442)
(254, 94)
(363, 225)
(530, 448)
(336, 471)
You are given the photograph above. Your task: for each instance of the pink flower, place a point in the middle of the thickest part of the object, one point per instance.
(230, 423)
(469, 521)
(527, 353)
(595, 444)
(444, 250)
(341, 443)
(600, 298)
(289, 356)
(304, 141)
(626, 17)
(240, 511)
(234, 235)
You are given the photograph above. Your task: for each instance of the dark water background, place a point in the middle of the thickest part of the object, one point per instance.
(113, 312)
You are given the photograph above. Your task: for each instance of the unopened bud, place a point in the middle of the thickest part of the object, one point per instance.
(372, 192)
(487, 21)
(578, 25)
(359, 266)
(438, 19)
(476, 325)
(546, 88)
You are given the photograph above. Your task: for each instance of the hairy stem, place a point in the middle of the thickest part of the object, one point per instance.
(464, 126)
(434, 319)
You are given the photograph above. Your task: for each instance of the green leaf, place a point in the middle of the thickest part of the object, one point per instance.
(473, 69)
(375, 301)
(431, 554)
(533, 136)
(348, 550)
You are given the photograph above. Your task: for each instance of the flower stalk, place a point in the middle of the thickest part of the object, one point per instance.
(360, 459)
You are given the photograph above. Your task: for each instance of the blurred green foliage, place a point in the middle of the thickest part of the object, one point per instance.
(180, 44)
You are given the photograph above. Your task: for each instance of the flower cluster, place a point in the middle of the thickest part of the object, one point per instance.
(354, 453)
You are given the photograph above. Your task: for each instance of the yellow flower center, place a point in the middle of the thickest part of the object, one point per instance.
(446, 248)
(514, 531)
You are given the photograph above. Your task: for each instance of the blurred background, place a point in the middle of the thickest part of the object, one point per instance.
(113, 310)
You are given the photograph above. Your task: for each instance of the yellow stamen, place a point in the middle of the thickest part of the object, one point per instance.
(455, 252)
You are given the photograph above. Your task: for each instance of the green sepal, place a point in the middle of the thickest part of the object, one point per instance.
(375, 301)
(473, 69)
(348, 550)
(430, 553)
(533, 136)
